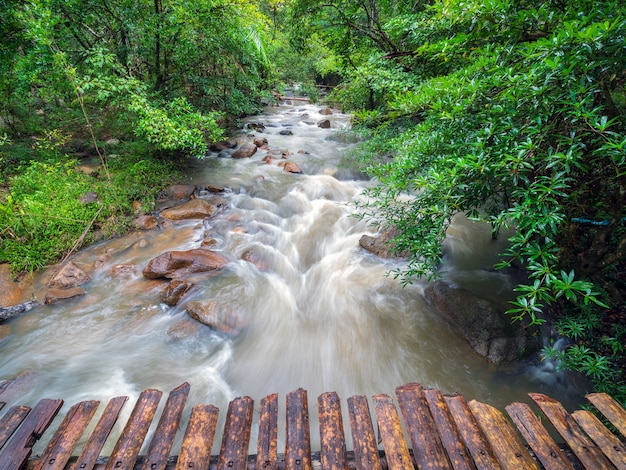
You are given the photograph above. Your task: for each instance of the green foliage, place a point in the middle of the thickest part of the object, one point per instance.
(48, 208)
(513, 113)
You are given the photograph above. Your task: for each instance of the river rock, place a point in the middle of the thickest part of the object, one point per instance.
(175, 291)
(381, 245)
(144, 222)
(215, 315)
(184, 329)
(223, 145)
(324, 124)
(17, 387)
(179, 191)
(326, 111)
(286, 132)
(177, 264)
(260, 141)
(15, 310)
(292, 167)
(125, 270)
(57, 295)
(482, 323)
(194, 209)
(245, 151)
(69, 276)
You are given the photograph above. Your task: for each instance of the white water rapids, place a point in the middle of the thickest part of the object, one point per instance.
(321, 314)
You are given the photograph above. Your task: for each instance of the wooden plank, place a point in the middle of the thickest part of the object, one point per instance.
(195, 451)
(428, 450)
(470, 432)
(11, 421)
(61, 446)
(363, 438)
(332, 437)
(584, 448)
(608, 443)
(236, 437)
(611, 410)
(298, 436)
(509, 450)
(91, 450)
(391, 433)
(163, 439)
(19, 448)
(128, 446)
(267, 443)
(450, 436)
(537, 437)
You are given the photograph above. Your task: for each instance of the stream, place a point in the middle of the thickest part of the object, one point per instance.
(320, 312)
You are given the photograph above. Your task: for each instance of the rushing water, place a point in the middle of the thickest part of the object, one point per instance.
(320, 312)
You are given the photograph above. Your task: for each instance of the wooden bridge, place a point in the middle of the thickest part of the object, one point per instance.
(430, 430)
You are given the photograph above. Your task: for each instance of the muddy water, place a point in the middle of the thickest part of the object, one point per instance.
(320, 313)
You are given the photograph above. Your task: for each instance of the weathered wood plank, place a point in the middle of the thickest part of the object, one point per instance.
(236, 437)
(608, 443)
(195, 451)
(163, 439)
(128, 446)
(611, 410)
(61, 446)
(267, 443)
(428, 450)
(537, 437)
(91, 450)
(584, 448)
(450, 436)
(473, 437)
(18, 450)
(391, 433)
(11, 421)
(506, 444)
(298, 438)
(332, 437)
(363, 438)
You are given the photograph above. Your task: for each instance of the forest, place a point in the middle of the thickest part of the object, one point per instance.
(510, 111)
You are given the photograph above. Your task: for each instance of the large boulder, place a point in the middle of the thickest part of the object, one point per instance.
(482, 323)
(178, 264)
(245, 151)
(194, 209)
(217, 316)
(68, 276)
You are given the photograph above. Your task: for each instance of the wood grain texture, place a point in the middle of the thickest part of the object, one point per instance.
(11, 421)
(195, 451)
(267, 443)
(608, 406)
(363, 438)
(298, 438)
(236, 437)
(332, 436)
(391, 433)
(584, 448)
(609, 444)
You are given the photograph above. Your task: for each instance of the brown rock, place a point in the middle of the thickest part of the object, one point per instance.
(326, 111)
(292, 167)
(194, 209)
(324, 124)
(245, 151)
(57, 295)
(179, 191)
(175, 291)
(144, 222)
(10, 291)
(184, 329)
(268, 159)
(216, 316)
(69, 276)
(253, 256)
(260, 141)
(177, 264)
(382, 245)
(483, 324)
